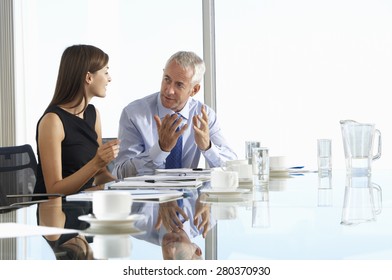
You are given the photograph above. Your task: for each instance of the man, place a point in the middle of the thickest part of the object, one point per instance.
(150, 127)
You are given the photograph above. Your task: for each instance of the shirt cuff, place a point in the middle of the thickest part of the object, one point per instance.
(212, 156)
(157, 155)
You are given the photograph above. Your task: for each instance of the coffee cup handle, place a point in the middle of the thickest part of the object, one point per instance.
(378, 155)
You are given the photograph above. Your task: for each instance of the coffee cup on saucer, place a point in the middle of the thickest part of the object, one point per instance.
(111, 205)
(242, 167)
(224, 180)
(278, 163)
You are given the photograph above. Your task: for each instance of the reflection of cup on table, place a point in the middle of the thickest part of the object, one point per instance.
(227, 180)
(277, 183)
(220, 211)
(112, 246)
(111, 205)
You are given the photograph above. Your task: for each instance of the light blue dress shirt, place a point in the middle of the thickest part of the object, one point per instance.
(140, 153)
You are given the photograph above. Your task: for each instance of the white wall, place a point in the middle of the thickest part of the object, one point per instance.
(287, 71)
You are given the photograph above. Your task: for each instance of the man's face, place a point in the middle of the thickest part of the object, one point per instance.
(177, 245)
(176, 86)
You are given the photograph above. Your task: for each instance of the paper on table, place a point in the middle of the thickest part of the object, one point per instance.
(185, 171)
(127, 184)
(137, 195)
(170, 177)
(10, 230)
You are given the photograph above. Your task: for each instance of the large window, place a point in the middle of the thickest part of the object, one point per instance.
(139, 37)
(289, 71)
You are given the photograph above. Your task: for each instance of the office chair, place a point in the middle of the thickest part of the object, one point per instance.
(18, 167)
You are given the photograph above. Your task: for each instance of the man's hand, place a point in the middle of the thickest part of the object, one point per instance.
(167, 133)
(202, 132)
(167, 215)
(202, 216)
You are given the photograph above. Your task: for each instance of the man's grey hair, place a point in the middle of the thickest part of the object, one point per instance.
(189, 60)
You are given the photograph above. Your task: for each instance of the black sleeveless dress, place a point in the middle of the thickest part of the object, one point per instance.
(78, 147)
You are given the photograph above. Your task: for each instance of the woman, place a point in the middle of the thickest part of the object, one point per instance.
(71, 156)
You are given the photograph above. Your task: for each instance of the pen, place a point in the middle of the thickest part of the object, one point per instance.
(296, 167)
(169, 181)
(199, 169)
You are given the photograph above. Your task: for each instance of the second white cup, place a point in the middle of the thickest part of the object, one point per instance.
(227, 180)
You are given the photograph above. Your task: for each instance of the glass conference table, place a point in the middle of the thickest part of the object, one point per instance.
(300, 217)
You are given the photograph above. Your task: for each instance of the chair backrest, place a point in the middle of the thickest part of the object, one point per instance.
(18, 168)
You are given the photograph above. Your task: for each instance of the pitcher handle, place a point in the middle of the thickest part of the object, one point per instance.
(378, 155)
(378, 193)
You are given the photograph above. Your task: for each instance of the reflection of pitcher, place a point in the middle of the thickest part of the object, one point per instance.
(362, 201)
(358, 146)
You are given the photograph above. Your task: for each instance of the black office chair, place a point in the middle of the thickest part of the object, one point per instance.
(18, 167)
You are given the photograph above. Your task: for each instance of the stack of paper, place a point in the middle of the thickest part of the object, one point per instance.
(137, 195)
(198, 172)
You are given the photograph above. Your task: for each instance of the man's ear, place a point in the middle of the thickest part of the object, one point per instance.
(195, 89)
(198, 251)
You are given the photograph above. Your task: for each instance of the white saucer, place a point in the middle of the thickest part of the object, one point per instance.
(224, 192)
(120, 226)
(113, 231)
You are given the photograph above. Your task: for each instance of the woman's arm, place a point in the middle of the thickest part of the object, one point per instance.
(50, 136)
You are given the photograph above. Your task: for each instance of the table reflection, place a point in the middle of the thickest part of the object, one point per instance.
(289, 222)
(174, 231)
(163, 224)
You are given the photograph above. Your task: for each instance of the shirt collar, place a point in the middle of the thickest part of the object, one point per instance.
(162, 111)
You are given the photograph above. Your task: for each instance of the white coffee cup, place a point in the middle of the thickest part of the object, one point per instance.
(278, 162)
(225, 180)
(112, 246)
(111, 205)
(244, 170)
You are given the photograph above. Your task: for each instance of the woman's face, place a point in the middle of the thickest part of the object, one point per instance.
(97, 82)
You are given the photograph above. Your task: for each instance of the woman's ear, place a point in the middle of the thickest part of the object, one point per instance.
(89, 78)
